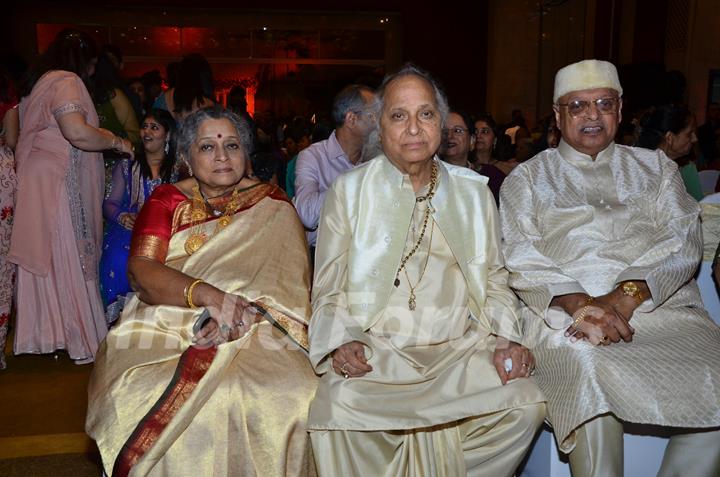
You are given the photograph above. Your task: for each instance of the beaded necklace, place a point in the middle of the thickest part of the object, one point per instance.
(426, 219)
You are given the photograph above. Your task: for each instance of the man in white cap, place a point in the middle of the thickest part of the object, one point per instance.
(602, 242)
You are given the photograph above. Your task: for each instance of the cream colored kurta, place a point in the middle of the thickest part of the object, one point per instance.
(432, 365)
(570, 225)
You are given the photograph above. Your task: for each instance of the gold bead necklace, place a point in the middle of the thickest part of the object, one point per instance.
(426, 218)
(198, 214)
(411, 300)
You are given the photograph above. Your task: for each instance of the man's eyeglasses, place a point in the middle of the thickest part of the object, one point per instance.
(457, 131)
(579, 107)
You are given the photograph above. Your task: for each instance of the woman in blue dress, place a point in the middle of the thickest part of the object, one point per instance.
(131, 185)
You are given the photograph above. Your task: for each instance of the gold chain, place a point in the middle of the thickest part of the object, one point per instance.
(428, 197)
(411, 300)
(198, 214)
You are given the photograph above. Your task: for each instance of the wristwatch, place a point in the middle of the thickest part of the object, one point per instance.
(631, 289)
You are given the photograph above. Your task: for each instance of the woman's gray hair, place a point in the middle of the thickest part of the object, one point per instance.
(188, 129)
(372, 145)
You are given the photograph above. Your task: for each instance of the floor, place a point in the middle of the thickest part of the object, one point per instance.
(43, 400)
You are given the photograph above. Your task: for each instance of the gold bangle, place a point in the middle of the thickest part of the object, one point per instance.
(583, 312)
(189, 291)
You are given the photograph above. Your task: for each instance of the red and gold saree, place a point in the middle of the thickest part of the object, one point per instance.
(160, 406)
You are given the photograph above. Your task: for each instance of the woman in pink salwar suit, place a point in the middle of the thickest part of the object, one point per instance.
(57, 231)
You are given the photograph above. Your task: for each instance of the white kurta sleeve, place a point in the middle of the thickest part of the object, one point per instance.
(534, 276)
(677, 249)
(331, 325)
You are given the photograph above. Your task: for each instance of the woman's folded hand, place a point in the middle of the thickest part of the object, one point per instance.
(231, 317)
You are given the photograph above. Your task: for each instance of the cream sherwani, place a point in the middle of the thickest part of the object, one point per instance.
(571, 224)
(433, 375)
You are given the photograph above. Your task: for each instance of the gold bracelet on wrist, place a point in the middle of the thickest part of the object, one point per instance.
(189, 291)
(583, 312)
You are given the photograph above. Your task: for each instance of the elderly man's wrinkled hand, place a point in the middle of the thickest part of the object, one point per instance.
(349, 360)
(512, 360)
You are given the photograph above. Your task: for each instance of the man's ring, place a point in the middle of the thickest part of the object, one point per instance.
(344, 370)
(524, 365)
(605, 339)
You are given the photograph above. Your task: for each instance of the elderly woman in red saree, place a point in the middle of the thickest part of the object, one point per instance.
(205, 373)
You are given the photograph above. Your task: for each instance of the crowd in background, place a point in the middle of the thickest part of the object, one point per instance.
(112, 185)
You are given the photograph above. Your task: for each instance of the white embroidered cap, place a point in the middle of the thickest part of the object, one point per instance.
(586, 74)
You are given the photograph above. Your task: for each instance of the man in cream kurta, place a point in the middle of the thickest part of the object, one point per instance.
(433, 404)
(581, 221)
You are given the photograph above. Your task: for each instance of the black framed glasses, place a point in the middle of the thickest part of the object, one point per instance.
(581, 107)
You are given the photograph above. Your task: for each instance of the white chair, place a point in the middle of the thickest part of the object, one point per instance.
(708, 179)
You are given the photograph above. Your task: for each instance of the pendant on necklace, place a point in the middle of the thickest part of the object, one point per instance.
(194, 242)
(217, 213)
(411, 301)
(224, 221)
(397, 282)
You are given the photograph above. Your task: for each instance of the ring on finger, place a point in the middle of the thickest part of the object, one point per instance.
(605, 339)
(344, 371)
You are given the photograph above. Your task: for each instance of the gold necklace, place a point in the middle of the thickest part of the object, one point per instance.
(198, 214)
(411, 301)
(428, 197)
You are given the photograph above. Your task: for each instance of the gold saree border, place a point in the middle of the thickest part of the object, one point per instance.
(294, 329)
(192, 366)
(182, 217)
(149, 246)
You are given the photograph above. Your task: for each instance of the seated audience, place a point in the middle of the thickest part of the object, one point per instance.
(205, 372)
(601, 241)
(194, 88)
(414, 329)
(671, 129)
(485, 160)
(297, 138)
(132, 184)
(319, 165)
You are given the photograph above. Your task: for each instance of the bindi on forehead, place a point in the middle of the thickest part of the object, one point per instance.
(219, 136)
